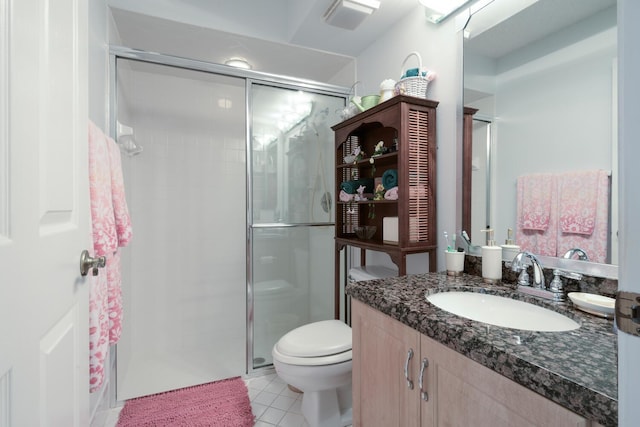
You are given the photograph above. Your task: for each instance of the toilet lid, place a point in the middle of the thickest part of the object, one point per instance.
(316, 339)
(370, 272)
(271, 287)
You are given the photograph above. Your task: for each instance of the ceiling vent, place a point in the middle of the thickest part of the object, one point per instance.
(348, 14)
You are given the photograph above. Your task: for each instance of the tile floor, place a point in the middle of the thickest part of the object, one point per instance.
(272, 402)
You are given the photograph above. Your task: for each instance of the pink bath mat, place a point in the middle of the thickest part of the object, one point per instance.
(222, 403)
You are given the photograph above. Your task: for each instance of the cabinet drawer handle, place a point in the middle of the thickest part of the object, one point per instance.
(406, 369)
(423, 392)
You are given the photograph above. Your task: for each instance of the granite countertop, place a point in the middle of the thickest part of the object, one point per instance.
(576, 369)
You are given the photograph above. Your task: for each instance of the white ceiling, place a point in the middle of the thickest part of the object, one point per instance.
(290, 37)
(286, 37)
(542, 18)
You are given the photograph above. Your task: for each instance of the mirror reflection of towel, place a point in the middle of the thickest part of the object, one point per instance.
(537, 206)
(586, 217)
(534, 197)
(578, 200)
(578, 215)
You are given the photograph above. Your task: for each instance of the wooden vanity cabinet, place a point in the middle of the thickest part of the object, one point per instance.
(407, 127)
(460, 392)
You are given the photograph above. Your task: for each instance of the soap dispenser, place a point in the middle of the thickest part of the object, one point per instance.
(509, 249)
(491, 259)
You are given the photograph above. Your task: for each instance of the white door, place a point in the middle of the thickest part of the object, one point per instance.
(44, 213)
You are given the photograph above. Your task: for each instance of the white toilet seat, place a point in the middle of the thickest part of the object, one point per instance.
(320, 343)
(345, 356)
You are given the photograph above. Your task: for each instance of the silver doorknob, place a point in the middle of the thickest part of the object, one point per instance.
(87, 262)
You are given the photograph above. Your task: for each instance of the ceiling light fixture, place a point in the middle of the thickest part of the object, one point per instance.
(238, 63)
(348, 14)
(438, 10)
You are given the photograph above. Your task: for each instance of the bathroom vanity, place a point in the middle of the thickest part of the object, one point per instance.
(417, 365)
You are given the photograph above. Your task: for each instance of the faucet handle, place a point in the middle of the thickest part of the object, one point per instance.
(556, 284)
(523, 278)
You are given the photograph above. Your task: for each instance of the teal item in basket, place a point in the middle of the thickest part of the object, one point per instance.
(413, 72)
(351, 187)
(390, 179)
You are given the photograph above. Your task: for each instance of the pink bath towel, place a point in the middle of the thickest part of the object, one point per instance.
(114, 297)
(105, 238)
(98, 329)
(120, 209)
(537, 210)
(584, 213)
(111, 228)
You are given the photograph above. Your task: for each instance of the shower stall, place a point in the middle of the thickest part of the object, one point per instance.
(229, 181)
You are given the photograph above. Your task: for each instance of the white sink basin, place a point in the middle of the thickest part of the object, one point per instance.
(501, 311)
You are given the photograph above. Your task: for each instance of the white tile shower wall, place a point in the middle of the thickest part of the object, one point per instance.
(187, 202)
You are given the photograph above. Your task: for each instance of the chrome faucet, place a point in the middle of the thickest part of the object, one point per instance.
(538, 287)
(518, 265)
(582, 255)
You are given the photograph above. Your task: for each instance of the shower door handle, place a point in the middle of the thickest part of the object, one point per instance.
(87, 262)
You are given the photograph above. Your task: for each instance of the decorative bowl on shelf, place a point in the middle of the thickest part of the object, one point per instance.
(365, 232)
(349, 159)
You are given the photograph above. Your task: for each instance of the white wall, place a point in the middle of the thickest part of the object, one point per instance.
(257, 18)
(552, 117)
(98, 64)
(440, 47)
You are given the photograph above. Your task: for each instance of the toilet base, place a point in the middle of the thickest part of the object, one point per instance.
(294, 389)
(328, 408)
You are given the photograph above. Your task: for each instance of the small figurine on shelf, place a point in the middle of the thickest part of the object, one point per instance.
(356, 155)
(379, 150)
(379, 193)
(360, 194)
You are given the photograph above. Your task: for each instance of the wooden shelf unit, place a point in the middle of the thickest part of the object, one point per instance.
(406, 125)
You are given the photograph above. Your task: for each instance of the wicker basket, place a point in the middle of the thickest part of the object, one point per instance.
(412, 86)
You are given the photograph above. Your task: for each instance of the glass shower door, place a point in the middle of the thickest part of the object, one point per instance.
(184, 273)
(292, 212)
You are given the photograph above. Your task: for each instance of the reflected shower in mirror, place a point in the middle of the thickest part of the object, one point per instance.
(544, 78)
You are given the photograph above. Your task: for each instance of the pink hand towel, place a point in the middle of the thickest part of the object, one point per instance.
(534, 197)
(391, 194)
(578, 200)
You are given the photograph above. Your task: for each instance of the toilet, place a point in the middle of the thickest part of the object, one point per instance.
(370, 272)
(316, 359)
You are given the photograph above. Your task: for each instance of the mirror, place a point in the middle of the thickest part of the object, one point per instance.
(543, 81)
